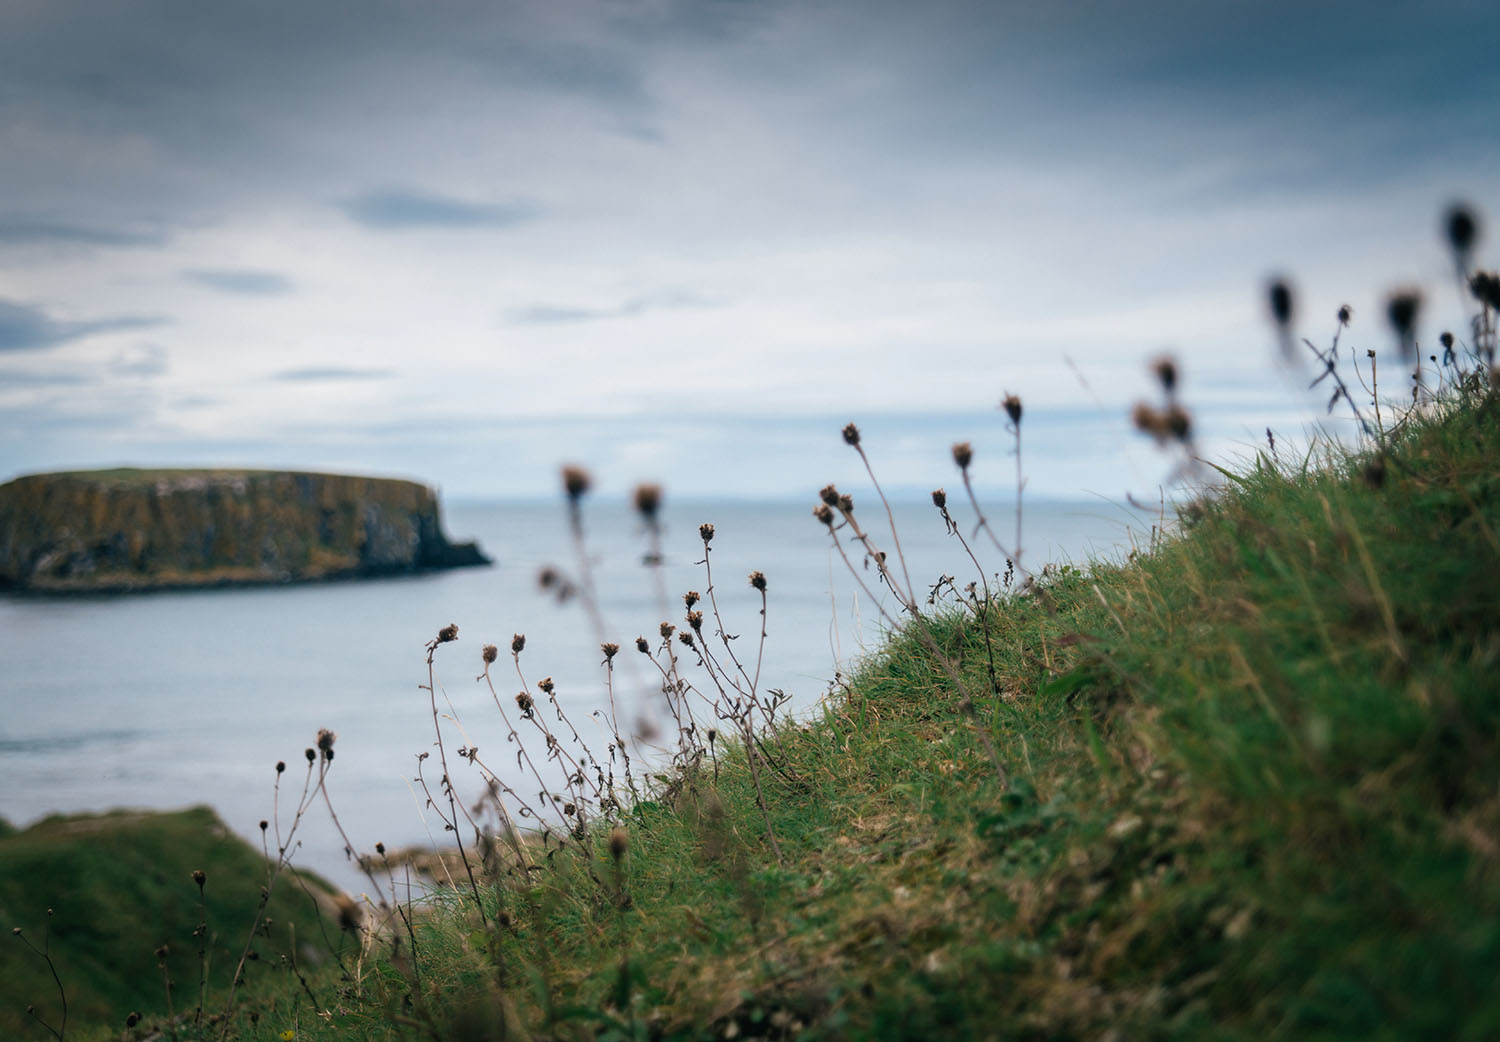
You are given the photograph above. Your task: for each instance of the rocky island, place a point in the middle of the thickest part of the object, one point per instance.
(129, 529)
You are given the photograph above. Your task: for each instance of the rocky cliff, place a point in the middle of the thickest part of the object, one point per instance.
(151, 529)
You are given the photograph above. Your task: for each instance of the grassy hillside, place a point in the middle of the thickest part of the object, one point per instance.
(101, 894)
(1244, 785)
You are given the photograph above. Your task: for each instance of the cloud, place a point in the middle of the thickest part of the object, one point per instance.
(331, 373)
(400, 209)
(144, 360)
(240, 280)
(25, 328)
(25, 231)
(559, 314)
(14, 378)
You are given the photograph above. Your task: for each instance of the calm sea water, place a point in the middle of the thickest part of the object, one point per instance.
(171, 699)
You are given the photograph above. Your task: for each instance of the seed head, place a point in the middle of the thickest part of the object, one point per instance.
(829, 495)
(665, 629)
(690, 598)
(758, 580)
(489, 653)
(546, 685)
(1279, 297)
(619, 842)
(264, 824)
(1345, 314)
(610, 649)
(695, 620)
(1402, 309)
(1012, 406)
(1485, 285)
(641, 646)
(1462, 228)
(824, 513)
(1150, 421)
(1446, 339)
(448, 633)
(576, 482)
(648, 501)
(524, 701)
(517, 643)
(326, 739)
(310, 754)
(132, 1019)
(846, 503)
(1179, 423)
(706, 532)
(280, 766)
(686, 637)
(569, 809)
(851, 434)
(940, 498)
(1165, 368)
(548, 577)
(199, 877)
(161, 952)
(963, 454)
(380, 849)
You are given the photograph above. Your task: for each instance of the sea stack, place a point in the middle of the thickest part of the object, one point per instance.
(130, 529)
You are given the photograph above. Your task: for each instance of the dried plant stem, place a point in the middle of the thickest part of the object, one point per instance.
(891, 517)
(447, 780)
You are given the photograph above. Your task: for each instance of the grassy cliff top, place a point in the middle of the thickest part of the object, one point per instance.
(1245, 785)
(146, 477)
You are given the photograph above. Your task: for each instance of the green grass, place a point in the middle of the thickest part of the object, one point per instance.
(118, 887)
(1253, 792)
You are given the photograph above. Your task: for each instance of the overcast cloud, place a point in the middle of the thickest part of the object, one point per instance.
(687, 240)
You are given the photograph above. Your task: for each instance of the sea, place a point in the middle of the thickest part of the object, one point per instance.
(171, 699)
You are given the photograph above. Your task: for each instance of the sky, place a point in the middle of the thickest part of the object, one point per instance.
(688, 240)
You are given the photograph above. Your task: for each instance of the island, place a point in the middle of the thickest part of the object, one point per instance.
(146, 529)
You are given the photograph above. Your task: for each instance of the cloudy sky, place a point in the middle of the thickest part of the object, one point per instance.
(687, 240)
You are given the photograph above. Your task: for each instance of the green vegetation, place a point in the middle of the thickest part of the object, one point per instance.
(1243, 785)
(102, 893)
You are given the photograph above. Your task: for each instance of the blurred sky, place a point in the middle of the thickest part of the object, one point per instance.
(687, 240)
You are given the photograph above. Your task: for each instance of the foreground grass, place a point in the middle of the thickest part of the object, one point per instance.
(1252, 791)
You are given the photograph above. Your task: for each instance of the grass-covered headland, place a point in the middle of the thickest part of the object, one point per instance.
(1244, 784)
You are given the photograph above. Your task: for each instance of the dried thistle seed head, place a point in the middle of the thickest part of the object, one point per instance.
(940, 498)
(132, 1019)
(524, 701)
(1012, 406)
(569, 809)
(264, 824)
(829, 495)
(713, 735)
(695, 620)
(1279, 297)
(1345, 314)
(758, 580)
(548, 577)
(1485, 285)
(686, 637)
(706, 532)
(310, 754)
(517, 643)
(1402, 309)
(963, 454)
(665, 629)
(1179, 423)
(641, 646)
(1461, 225)
(619, 842)
(199, 877)
(546, 685)
(576, 482)
(610, 649)
(824, 513)
(647, 499)
(1149, 421)
(326, 739)
(1446, 339)
(448, 633)
(280, 766)
(846, 503)
(690, 598)
(1165, 368)
(489, 653)
(380, 849)
(851, 434)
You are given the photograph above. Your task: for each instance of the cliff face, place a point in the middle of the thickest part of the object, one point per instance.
(143, 529)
